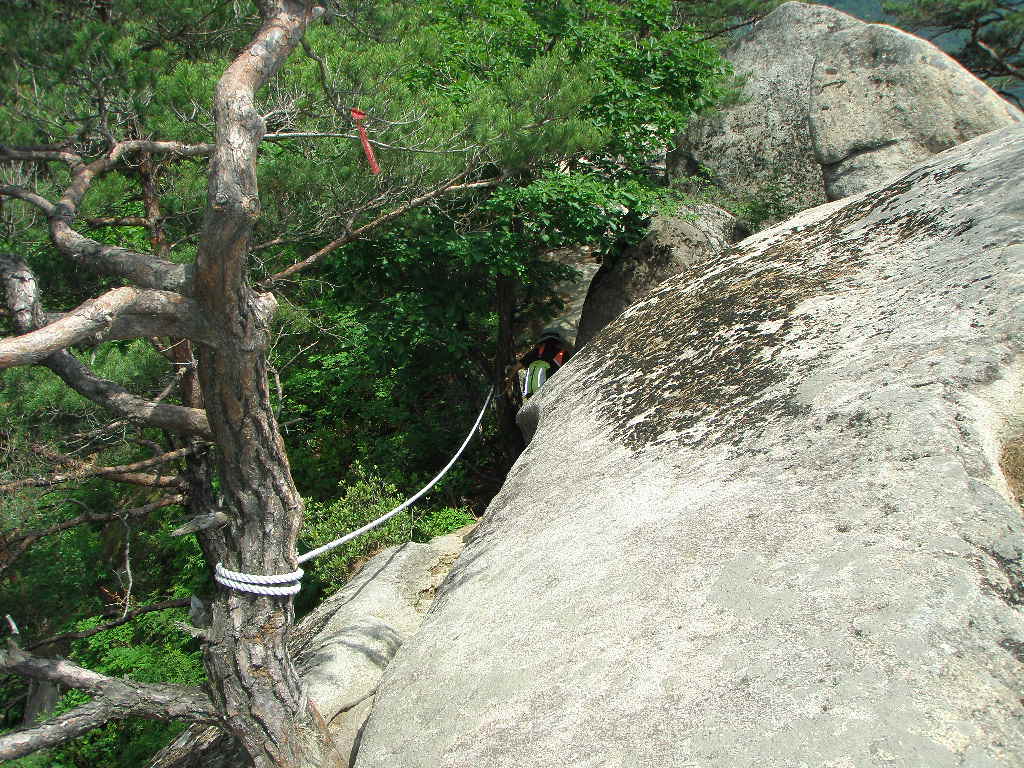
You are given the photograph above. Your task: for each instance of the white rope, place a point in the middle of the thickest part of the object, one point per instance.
(260, 585)
(263, 585)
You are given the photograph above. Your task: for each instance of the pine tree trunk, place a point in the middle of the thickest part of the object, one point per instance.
(252, 679)
(508, 397)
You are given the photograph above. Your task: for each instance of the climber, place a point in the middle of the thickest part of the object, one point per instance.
(551, 352)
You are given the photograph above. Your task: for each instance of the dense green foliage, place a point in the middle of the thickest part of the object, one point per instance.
(385, 351)
(365, 498)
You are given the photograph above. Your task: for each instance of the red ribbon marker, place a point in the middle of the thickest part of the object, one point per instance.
(358, 116)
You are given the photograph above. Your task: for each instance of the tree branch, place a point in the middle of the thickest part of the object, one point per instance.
(123, 313)
(56, 731)
(125, 473)
(355, 234)
(115, 398)
(22, 299)
(145, 271)
(165, 605)
(13, 545)
(20, 193)
(115, 699)
(114, 221)
(1010, 68)
(273, 137)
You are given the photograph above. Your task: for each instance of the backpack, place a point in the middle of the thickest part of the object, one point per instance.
(536, 375)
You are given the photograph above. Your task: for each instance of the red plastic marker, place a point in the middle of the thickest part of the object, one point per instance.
(358, 116)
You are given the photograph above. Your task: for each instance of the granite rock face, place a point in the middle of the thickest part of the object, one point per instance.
(673, 245)
(833, 106)
(572, 292)
(767, 516)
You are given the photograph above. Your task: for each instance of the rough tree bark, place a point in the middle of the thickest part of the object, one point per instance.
(252, 679)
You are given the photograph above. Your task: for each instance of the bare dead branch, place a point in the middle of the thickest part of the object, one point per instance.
(133, 614)
(114, 699)
(271, 243)
(123, 313)
(124, 473)
(130, 478)
(730, 28)
(121, 149)
(362, 231)
(475, 185)
(1003, 62)
(13, 545)
(114, 221)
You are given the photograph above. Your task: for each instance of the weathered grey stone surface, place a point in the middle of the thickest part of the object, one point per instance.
(833, 106)
(763, 521)
(573, 292)
(342, 647)
(673, 244)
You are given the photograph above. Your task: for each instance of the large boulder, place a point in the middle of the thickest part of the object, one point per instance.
(833, 106)
(766, 518)
(673, 244)
(342, 648)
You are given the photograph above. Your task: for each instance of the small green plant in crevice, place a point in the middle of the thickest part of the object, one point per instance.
(770, 205)
(438, 522)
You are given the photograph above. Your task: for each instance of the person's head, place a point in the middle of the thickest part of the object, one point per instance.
(552, 334)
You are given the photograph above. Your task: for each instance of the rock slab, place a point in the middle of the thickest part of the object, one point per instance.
(674, 244)
(766, 519)
(833, 106)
